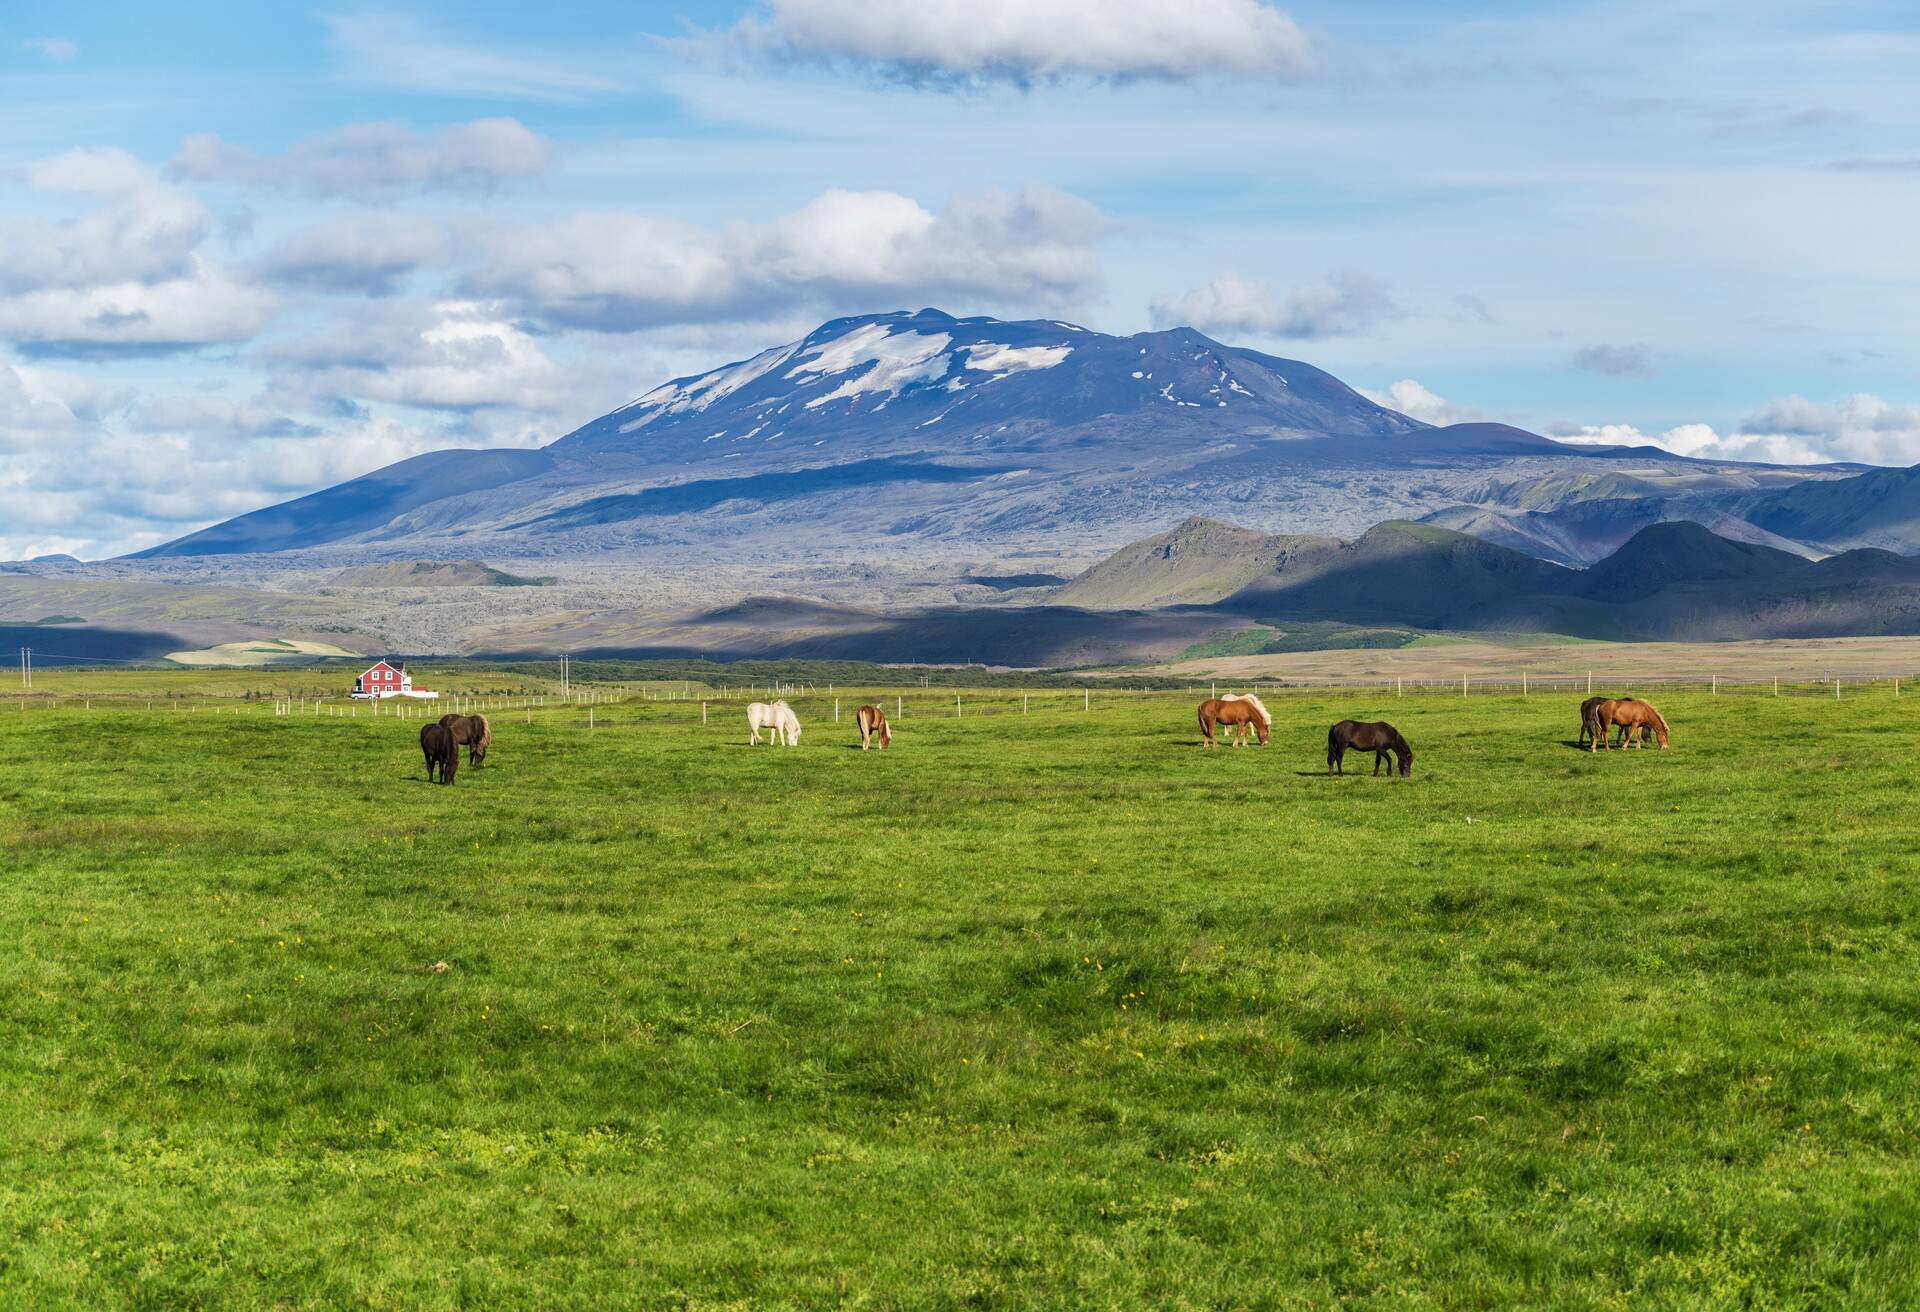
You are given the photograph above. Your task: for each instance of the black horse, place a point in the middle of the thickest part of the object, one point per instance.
(438, 746)
(1378, 738)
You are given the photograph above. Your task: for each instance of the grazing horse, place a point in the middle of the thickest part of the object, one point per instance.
(473, 731)
(777, 719)
(1634, 715)
(873, 724)
(1236, 715)
(437, 745)
(1240, 734)
(1378, 738)
(1587, 721)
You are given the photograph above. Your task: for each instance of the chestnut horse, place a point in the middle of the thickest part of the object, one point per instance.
(437, 745)
(1587, 721)
(473, 731)
(1236, 714)
(1241, 733)
(1378, 737)
(873, 723)
(1634, 715)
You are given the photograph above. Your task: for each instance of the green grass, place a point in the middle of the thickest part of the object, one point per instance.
(1045, 1011)
(1306, 635)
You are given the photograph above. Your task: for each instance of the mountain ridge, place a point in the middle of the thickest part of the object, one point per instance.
(919, 432)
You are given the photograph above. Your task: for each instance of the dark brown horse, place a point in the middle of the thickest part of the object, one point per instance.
(1378, 738)
(873, 724)
(1634, 715)
(1587, 721)
(437, 745)
(1236, 714)
(473, 732)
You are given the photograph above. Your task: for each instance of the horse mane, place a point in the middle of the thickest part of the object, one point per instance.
(1252, 701)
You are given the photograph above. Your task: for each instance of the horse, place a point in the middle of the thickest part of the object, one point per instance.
(1635, 716)
(777, 719)
(437, 745)
(1236, 715)
(473, 731)
(873, 723)
(1240, 734)
(1587, 721)
(1378, 738)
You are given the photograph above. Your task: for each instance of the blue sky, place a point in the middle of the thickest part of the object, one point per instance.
(247, 250)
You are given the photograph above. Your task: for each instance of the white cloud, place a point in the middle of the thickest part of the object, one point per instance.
(1345, 304)
(454, 355)
(1028, 41)
(1789, 430)
(125, 275)
(373, 159)
(1415, 401)
(140, 230)
(848, 249)
(1631, 361)
(96, 472)
(396, 50)
(56, 48)
(361, 254)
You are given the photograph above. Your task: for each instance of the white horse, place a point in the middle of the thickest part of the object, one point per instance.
(777, 719)
(1257, 704)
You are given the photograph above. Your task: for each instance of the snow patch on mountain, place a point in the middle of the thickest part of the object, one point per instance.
(1000, 360)
(690, 394)
(899, 360)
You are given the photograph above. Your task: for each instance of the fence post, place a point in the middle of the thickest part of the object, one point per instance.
(1086, 700)
(899, 707)
(1023, 696)
(836, 710)
(1523, 683)
(703, 712)
(1589, 682)
(1716, 685)
(1463, 685)
(1776, 685)
(956, 705)
(1836, 687)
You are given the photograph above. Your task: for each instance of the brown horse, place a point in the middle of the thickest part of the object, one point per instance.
(1587, 721)
(1634, 715)
(873, 724)
(1236, 715)
(1378, 738)
(437, 745)
(473, 731)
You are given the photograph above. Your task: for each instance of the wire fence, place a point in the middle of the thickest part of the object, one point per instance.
(612, 703)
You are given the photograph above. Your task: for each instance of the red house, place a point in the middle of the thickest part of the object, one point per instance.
(388, 679)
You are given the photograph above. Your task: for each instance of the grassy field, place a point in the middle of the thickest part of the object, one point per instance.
(1047, 1010)
(1503, 657)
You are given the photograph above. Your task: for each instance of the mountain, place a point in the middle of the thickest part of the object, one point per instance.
(923, 434)
(1199, 561)
(1398, 572)
(431, 574)
(1880, 508)
(1665, 555)
(1671, 581)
